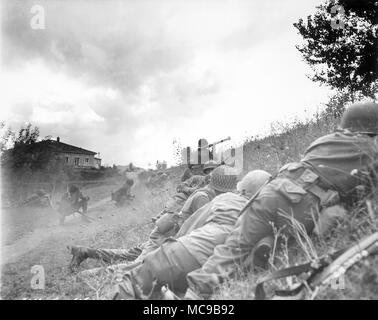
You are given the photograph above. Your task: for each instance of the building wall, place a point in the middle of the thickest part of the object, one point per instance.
(78, 160)
(97, 163)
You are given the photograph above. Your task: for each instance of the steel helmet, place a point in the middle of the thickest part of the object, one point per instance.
(361, 117)
(252, 182)
(223, 179)
(209, 166)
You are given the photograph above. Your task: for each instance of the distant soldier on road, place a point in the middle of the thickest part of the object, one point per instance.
(72, 201)
(123, 194)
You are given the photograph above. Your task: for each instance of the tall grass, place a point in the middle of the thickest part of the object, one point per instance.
(361, 281)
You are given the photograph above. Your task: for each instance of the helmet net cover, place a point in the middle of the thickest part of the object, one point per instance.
(224, 179)
(361, 117)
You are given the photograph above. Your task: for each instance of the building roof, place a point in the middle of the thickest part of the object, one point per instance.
(64, 147)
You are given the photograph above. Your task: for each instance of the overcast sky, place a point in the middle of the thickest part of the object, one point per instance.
(127, 78)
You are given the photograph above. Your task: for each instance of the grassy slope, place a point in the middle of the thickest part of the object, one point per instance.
(361, 281)
(127, 226)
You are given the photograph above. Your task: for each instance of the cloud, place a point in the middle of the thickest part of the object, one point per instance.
(111, 43)
(127, 77)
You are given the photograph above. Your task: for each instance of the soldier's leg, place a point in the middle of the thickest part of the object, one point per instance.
(224, 262)
(79, 254)
(155, 240)
(249, 229)
(256, 224)
(118, 269)
(167, 265)
(113, 255)
(83, 204)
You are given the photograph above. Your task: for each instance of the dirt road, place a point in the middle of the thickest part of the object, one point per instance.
(34, 237)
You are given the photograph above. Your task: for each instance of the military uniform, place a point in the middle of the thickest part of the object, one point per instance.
(195, 169)
(300, 190)
(192, 184)
(170, 223)
(223, 179)
(186, 175)
(123, 193)
(159, 234)
(72, 202)
(197, 200)
(170, 263)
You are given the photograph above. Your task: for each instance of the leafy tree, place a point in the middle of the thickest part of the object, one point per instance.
(26, 152)
(341, 45)
(27, 135)
(7, 137)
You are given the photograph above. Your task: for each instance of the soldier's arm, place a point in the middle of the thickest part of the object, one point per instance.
(196, 203)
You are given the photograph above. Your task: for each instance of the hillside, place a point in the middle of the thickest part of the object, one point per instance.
(34, 238)
(270, 153)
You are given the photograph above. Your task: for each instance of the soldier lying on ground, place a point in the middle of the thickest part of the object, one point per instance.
(38, 199)
(185, 189)
(72, 201)
(187, 173)
(192, 170)
(166, 226)
(123, 194)
(171, 262)
(326, 176)
(197, 181)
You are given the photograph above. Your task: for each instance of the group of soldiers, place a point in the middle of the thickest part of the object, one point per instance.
(72, 201)
(209, 231)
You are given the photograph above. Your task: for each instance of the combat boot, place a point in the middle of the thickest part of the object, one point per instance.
(79, 254)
